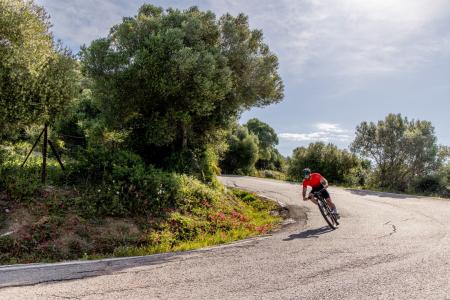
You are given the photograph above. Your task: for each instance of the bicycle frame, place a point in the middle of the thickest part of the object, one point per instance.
(325, 210)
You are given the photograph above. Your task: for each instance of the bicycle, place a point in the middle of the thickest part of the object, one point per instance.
(326, 210)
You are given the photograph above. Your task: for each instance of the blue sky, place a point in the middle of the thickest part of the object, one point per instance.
(342, 61)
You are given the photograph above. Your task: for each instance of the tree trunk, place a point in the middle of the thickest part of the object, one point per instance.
(44, 155)
(184, 136)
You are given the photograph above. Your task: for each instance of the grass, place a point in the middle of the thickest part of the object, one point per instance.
(67, 221)
(253, 219)
(47, 231)
(271, 174)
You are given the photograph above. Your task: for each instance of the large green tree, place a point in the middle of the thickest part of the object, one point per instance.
(171, 79)
(37, 77)
(242, 152)
(269, 157)
(401, 149)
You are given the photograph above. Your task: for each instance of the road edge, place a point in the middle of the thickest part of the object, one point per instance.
(33, 274)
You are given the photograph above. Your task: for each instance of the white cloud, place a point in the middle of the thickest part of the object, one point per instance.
(328, 127)
(349, 39)
(79, 22)
(340, 39)
(326, 132)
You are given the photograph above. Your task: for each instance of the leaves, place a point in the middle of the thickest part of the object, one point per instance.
(36, 77)
(334, 164)
(175, 78)
(400, 148)
(242, 152)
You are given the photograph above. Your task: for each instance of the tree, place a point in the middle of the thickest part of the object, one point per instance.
(172, 79)
(37, 76)
(266, 135)
(269, 157)
(334, 164)
(242, 152)
(401, 149)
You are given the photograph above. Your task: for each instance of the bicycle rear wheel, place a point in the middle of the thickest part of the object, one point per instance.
(327, 214)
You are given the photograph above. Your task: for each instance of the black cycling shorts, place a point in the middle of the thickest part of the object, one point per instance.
(323, 192)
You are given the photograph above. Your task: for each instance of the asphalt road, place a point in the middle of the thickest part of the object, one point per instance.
(387, 247)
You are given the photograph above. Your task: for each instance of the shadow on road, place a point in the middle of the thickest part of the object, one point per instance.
(310, 233)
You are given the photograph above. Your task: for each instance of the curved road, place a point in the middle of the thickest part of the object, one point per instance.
(387, 247)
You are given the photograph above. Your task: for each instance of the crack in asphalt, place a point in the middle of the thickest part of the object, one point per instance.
(361, 263)
(60, 297)
(394, 230)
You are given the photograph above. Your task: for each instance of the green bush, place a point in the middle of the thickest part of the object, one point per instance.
(271, 174)
(357, 176)
(21, 184)
(2, 156)
(119, 183)
(201, 164)
(242, 152)
(333, 163)
(434, 184)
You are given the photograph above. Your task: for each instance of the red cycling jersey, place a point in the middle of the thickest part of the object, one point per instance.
(313, 181)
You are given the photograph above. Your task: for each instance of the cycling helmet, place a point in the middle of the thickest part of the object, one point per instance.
(306, 172)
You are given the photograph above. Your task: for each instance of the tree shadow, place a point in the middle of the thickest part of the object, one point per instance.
(310, 233)
(381, 194)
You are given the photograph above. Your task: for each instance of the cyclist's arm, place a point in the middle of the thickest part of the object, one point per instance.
(324, 182)
(304, 193)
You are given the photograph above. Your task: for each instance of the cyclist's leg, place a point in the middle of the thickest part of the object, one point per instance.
(331, 204)
(327, 197)
(311, 196)
(313, 199)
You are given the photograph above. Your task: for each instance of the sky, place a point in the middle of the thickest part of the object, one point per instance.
(342, 61)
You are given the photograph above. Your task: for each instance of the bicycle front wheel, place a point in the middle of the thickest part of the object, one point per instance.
(327, 215)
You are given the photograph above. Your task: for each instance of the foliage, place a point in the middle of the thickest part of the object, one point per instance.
(334, 164)
(202, 164)
(238, 217)
(267, 137)
(269, 157)
(80, 126)
(171, 79)
(272, 174)
(429, 184)
(49, 229)
(22, 184)
(118, 183)
(242, 152)
(401, 150)
(36, 75)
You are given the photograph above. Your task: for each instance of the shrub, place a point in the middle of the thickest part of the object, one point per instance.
(271, 174)
(120, 184)
(20, 184)
(201, 164)
(242, 152)
(434, 184)
(333, 163)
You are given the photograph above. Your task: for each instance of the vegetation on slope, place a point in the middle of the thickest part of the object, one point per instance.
(118, 207)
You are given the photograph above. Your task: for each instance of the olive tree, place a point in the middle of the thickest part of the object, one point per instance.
(172, 79)
(401, 149)
(37, 76)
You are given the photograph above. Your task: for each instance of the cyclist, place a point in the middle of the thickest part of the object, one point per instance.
(318, 183)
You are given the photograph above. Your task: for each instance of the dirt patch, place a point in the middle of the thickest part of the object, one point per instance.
(291, 214)
(16, 220)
